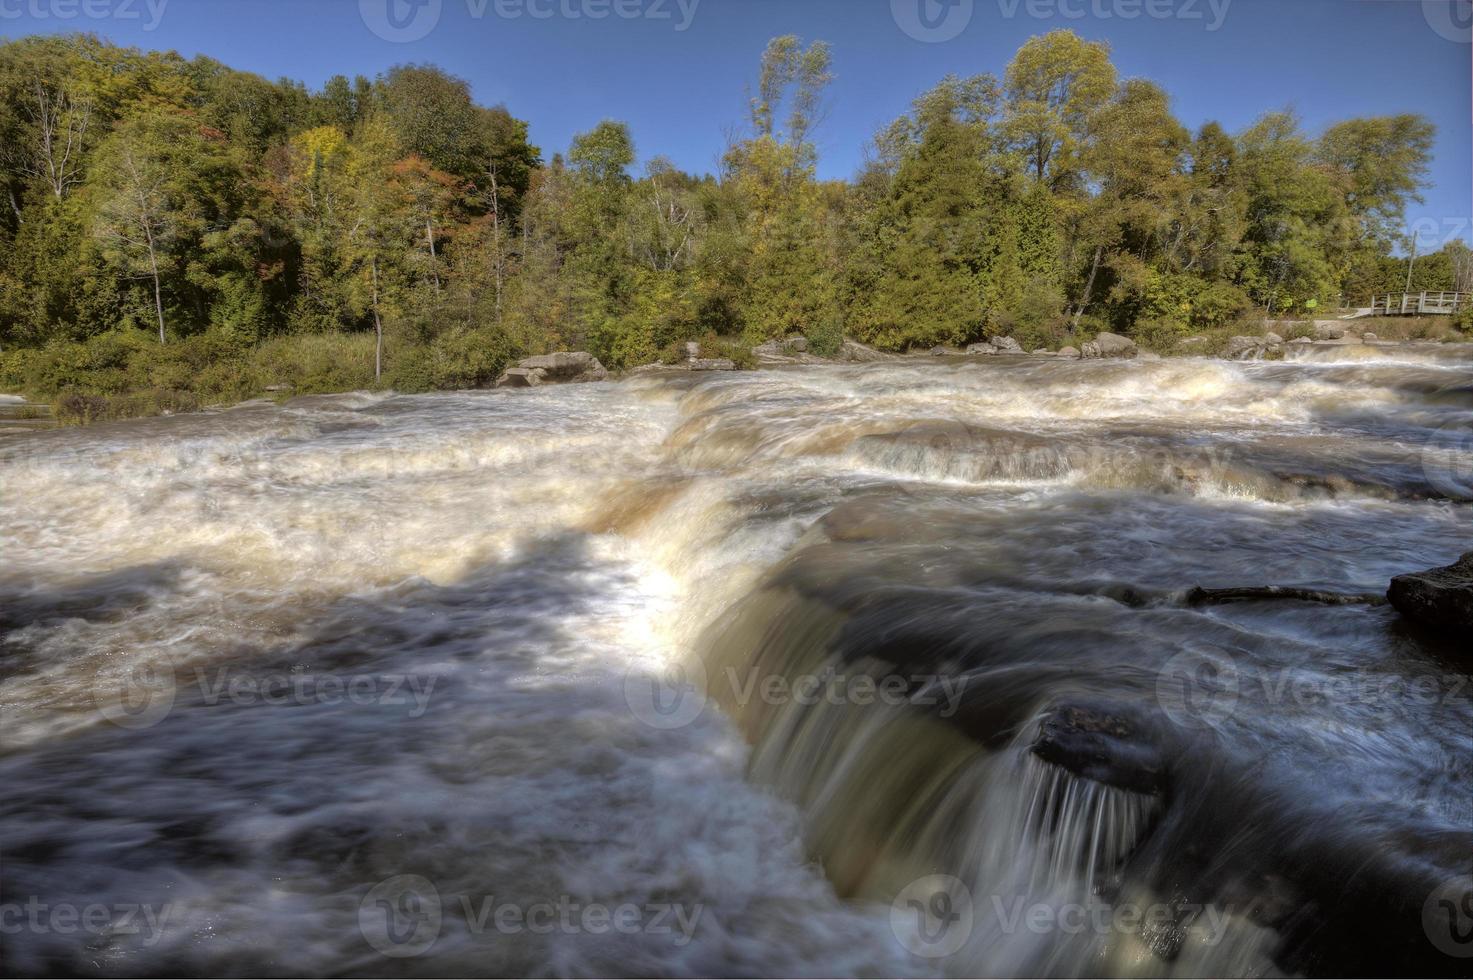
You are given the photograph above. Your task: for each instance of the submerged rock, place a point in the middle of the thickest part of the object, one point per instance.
(1440, 597)
(553, 368)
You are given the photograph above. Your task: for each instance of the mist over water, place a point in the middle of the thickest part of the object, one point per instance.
(260, 664)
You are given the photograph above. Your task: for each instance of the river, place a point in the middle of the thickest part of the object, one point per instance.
(877, 670)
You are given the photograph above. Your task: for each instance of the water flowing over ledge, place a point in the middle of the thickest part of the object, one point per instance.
(262, 664)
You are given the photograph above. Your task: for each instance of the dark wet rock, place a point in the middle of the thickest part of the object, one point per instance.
(558, 368)
(1103, 743)
(1440, 597)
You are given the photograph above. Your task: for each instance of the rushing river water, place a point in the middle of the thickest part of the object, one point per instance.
(877, 670)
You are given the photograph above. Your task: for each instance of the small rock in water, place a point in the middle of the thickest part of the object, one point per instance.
(1441, 597)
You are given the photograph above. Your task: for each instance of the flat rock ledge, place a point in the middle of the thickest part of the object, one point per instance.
(1440, 597)
(561, 368)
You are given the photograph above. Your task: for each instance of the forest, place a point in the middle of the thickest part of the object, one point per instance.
(176, 232)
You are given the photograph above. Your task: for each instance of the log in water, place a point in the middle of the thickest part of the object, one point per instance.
(863, 670)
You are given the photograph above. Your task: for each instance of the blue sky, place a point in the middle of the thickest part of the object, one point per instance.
(678, 70)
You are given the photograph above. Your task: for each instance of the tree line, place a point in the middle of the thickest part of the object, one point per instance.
(152, 196)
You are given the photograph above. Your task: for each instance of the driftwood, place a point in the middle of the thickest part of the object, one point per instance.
(1198, 596)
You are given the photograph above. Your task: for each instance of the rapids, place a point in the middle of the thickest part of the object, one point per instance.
(869, 670)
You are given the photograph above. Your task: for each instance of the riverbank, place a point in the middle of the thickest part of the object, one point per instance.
(129, 375)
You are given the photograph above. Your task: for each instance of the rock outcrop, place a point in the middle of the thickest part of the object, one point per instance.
(1441, 597)
(560, 368)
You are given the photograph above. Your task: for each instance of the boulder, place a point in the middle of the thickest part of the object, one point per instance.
(1068, 351)
(1114, 345)
(1243, 348)
(1272, 339)
(1369, 338)
(1440, 597)
(1328, 330)
(549, 368)
(1089, 350)
(852, 351)
(1006, 345)
(797, 344)
(981, 349)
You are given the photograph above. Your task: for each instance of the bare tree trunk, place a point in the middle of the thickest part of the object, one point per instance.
(153, 262)
(434, 261)
(1088, 286)
(378, 328)
(496, 234)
